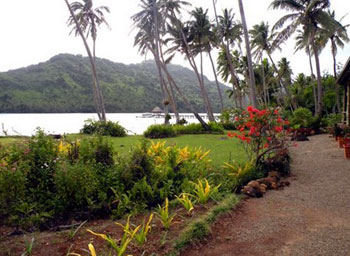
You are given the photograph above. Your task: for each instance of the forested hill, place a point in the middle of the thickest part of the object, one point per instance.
(63, 84)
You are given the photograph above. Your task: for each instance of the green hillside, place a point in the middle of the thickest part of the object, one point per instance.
(63, 85)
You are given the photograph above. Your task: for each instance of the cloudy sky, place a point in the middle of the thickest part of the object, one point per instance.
(34, 31)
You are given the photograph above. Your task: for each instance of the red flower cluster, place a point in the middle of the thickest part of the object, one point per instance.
(260, 129)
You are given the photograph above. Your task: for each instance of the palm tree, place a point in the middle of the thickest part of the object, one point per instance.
(80, 27)
(229, 33)
(145, 40)
(200, 32)
(301, 43)
(181, 38)
(311, 16)
(252, 89)
(337, 36)
(149, 21)
(89, 19)
(264, 42)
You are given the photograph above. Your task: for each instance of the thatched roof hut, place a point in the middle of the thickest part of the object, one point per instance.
(344, 80)
(157, 110)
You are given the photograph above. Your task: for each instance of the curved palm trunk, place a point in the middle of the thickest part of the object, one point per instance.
(205, 94)
(99, 97)
(335, 75)
(189, 105)
(233, 75)
(312, 79)
(264, 82)
(252, 91)
(171, 93)
(162, 84)
(319, 80)
(279, 81)
(216, 80)
(173, 83)
(195, 69)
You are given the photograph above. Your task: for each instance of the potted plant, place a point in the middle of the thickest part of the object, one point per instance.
(347, 150)
(346, 138)
(338, 132)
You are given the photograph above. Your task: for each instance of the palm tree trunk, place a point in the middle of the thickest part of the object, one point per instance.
(216, 80)
(195, 69)
(189, 105)
(205, 95)
(319, 80)
(312, 79)
(173, 83)
(162, 85)
(335, 75)
(252, 91)
(172, 93)
(279, 81)
(232, 71)
(99, 97)
(264, 82)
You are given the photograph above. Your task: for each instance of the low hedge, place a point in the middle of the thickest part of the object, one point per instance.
(159, 131)
(105, 128)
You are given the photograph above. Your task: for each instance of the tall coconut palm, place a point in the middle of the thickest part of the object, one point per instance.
(149, 21)
(337, 36)
(89, 18)
(264, 42)
(181, 38)
(302, 43)
(311, 16)
(200, 32)
(80, 26)
(230, 33)
(252, 89)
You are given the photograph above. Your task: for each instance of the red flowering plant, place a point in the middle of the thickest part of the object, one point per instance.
(263, 132)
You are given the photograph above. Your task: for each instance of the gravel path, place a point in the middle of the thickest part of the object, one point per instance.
(310, 217)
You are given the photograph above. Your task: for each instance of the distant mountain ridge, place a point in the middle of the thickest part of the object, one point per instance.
(63, 84)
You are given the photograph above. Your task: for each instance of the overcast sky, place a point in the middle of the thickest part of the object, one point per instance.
(34, 31)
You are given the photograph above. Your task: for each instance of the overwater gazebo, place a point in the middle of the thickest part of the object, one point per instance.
(344, 80)
(157, 110)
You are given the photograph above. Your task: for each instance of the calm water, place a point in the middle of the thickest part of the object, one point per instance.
(26, 124)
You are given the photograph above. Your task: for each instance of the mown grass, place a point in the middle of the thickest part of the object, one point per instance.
(222, 149)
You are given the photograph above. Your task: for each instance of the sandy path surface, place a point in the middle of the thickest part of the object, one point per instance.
(310, 217)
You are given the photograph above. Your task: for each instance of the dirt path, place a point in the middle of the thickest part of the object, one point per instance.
(311, 217)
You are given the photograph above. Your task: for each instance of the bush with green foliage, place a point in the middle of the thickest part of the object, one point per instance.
(331, 120)
(302, 118)
(227, 119)
(195, 128)
(45, 181)
(105, 128)
(158, 131)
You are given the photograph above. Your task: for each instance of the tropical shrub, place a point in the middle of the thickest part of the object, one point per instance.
(227, 119)
(239, 174)
(262, 132)
(331, 120)
(44, 182)
(195, 128)
(203, 191)
(189, 129)
(302, 118)
(105, 128)
(158, 131)
(216, 128)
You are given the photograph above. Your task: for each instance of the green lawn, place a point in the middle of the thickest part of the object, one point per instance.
(222, 149)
